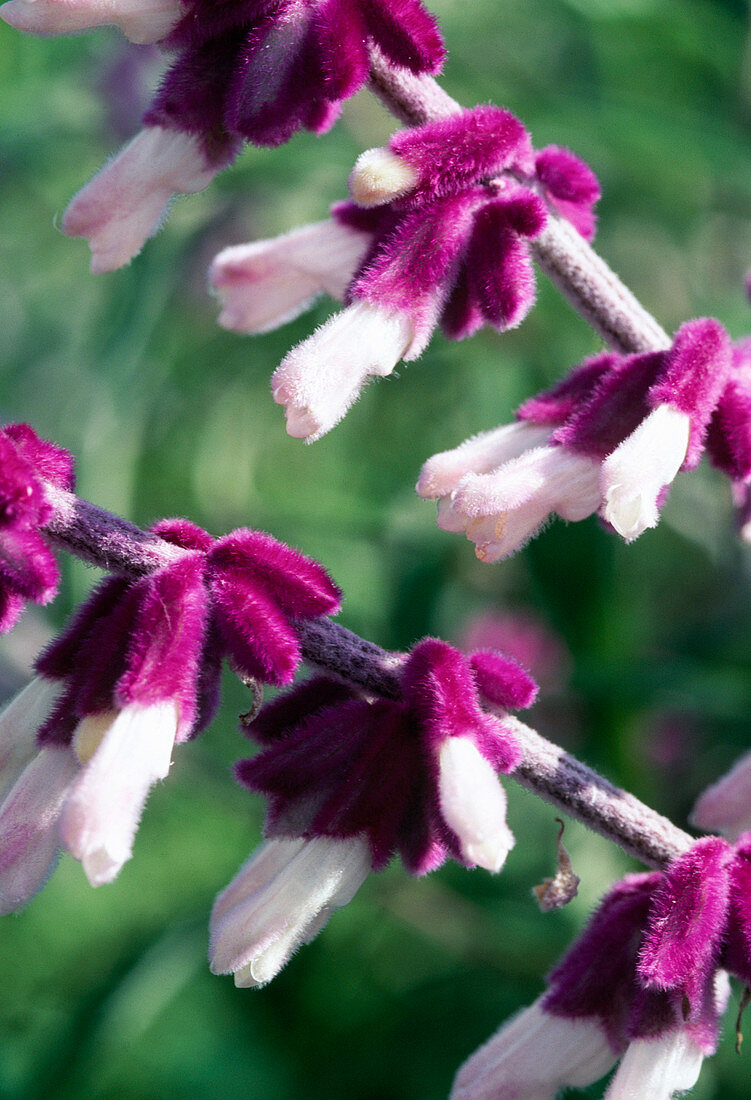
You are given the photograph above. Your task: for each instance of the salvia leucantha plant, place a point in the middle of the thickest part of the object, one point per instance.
(371, 755)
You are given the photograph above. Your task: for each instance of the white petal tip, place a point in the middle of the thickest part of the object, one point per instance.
(380, 176)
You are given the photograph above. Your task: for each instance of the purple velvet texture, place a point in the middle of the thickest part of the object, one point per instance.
(597, 975)
(262, 69)
(602, 401)
(162, 637)
(456, 153)
(647, 960)
(570, 185)
(28, 570)
(681, 948)
(335, 764)
(455, 247)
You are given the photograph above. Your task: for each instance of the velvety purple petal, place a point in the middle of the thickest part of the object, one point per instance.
(367, 219)
(571, 186)
(61, 658)
(408, 266)
(287, 711)
(439, 688)
(686, 921)
(208, 690)
(461, 316)
(298, 584)
(615, 407)
(407, 34)
(11, 606)
(166, 640)
(502, 680)
(22, 502)
(193, 98)
(736, 956)
(693, 376)
(597, 975)
(340, 47)
(51, 463)
(257, 637)
(499, 269)
(461, 150)
(556, 405)
(27, 564)
(181, 532)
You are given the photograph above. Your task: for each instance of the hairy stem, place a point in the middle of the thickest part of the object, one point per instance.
(103, 539)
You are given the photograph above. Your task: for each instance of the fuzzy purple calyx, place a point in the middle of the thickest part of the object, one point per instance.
(335, 764)
(28, 570)
(161, 638)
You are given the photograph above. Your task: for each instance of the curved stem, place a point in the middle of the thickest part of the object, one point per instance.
(106, 540)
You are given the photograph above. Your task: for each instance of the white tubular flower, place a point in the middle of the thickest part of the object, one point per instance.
(480, 454)
(380, 176)
(501, 510)
(281, 899)
(125, 202)
(28, 820)
(267, 283)
(123, 754)
(534, 1056)
(473, 803)
(725, 807)
(634, 475)
(142, 21)
(19, 723)
(320, 378)
(657, 1068)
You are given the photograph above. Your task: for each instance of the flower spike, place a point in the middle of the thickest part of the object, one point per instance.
(439, 238)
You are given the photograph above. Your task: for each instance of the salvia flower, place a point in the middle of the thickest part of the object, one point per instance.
(30, 468)
(644, 983)
(353, 781)
(135, 673)
(436, 236)
(248, 70)
(608, 439)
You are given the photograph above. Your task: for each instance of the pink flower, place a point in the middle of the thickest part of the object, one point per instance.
(267, 283)
(142, 21)
(125, 203)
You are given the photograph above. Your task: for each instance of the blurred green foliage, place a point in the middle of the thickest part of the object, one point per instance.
(106, 994)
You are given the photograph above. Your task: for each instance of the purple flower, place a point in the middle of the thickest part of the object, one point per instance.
(135, 673)
(353, 781)
(642, 983)
(436, 237)
(30, 470)
(247, 70)
(609, 439)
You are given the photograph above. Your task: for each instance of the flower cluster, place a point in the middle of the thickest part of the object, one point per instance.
(135, 673)
(351, 781)
(609, 439)
(30, 468)
(252, 70)
(645, 983)
(438, 233)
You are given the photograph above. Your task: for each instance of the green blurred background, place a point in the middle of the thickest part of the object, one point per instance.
(106, 993)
